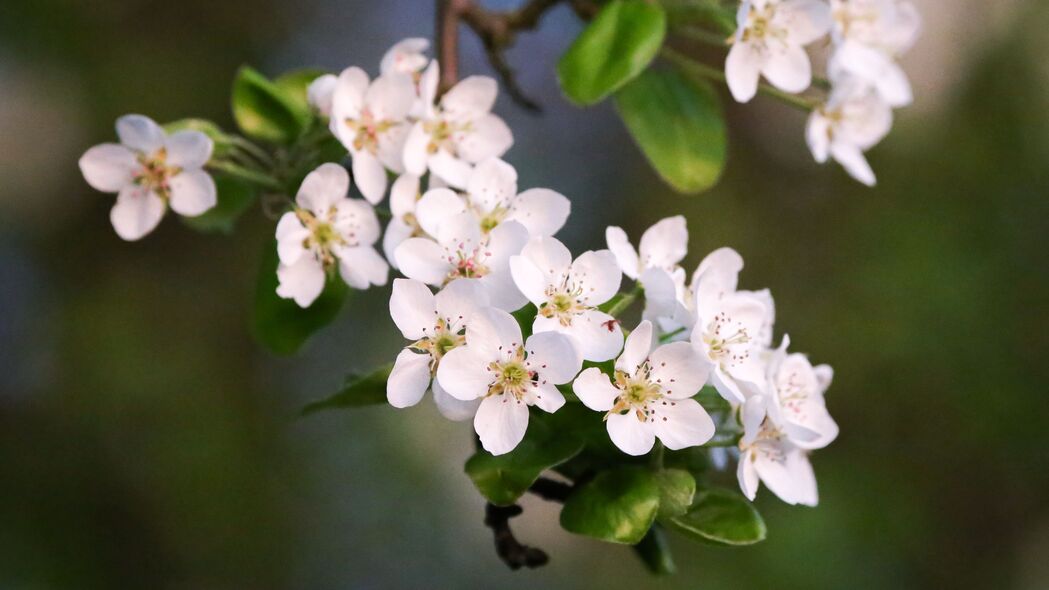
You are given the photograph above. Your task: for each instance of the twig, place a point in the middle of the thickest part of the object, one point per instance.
(551, 490)
(510, 550)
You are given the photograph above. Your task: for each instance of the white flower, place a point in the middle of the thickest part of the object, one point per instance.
(796, 404)
(492, 191)
(150, 171)
(869, 36)
(436, 324)
(508, 374)
(651, 396)
(768, 455)
(404, 195)
(460, 131)
(853, 120)
(729, 326)
(370, 119)
(568, 293)
(458, 248)
(770, 41)
(662, 246)
(327, 229)
(407, 56)
(320, 93)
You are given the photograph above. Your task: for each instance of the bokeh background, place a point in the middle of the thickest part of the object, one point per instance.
(147, 441)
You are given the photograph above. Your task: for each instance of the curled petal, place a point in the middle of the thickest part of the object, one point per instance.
(409, 379)
(136, 213)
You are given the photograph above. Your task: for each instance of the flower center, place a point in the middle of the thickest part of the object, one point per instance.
(724, 340)
(563, 304)
(759, 25)
(638, 392)
(442, 134)
(368, 129)
(323, 237)
(155, 174)
(467, 264)
(443, 341)
(512, 376)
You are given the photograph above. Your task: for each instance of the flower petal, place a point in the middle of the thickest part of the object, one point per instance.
(412, 308)
(321, 92)
(597, 335)
(109, 167)
(390, 96)
(347, 101)
(678, 369)
(302, 281)
(681, 423)
(597, 275)
(805, 21)
(192, 193)
(140, 133)
(493, 334)
(369, 175)
(631, 435)
(542, 211)
(546, 397)
(189, 149)
(455, 171)
(492, 184)
(489, 137)
(404, 194)
(396, 233)
(436, 207)
(452, 408)
(500, 423)
(788, 69)
(595, 390)
(362, 266)
(502, 292)
(743, 70)
(409, 379)
(852, 159)
(553, 357)
(423, 260)
(472, 95)
(459, 301)
(624, 251)
(529, 279)
(464, 374)
(290, 238)
(664, 244)
(415, 150)
(747, 475)
(323, 188)
(136, 213)
(636, 349)
(506, 240)
(550, 256)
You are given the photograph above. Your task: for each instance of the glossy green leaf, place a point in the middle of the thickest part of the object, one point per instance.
(505, 478)
(678, 124)
(676, 491)
(614, 48)
(234, 198)
(654, 551)
(280, 324)
(618, 506)
(722, 517)
(265, 111)
(359, 390)
(223, 142)
(294, 85)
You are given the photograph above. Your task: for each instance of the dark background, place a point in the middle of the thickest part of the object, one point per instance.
(147, 441)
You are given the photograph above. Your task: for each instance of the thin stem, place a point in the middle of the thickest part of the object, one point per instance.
(507, 547)
(239, 172)
(670, 335)
(625, 301)
(253, 150)
(694, 33)
(448, 13)
(700, 69)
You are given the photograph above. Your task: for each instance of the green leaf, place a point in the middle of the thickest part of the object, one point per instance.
(654, 551)
(711, 14)
(265, 111)
(614, 48)
(722, 517)
(359, 390)
(280, 324)
(677, 123)
(223, 142)
(618, 506)
(294, 85)
(676, 490)
(505, 478)
(234, 198)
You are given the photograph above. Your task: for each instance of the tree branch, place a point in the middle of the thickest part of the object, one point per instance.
(548, 489)
(509, 549)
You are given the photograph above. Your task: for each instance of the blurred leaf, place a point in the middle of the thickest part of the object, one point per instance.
(614, 48)
(711, 14)
(654, 551)
(295, 83)
(234, 198)
(505, 478)
(677, 123)
(223, 142)
(359, 390)
(525, 318)
(676, 490)
(280, 324)
(722, 517)
(265, 111)
(618, 506)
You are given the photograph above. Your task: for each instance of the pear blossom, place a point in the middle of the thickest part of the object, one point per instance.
(567, 294)
(326, 230)
(728, 326)
(651, 396)
(404, 195)
(436, 324)
(492, 193)
(370, 119)
(662, 246)
(320, 92)
(770, 40)
(767, 455)
(150, 171)
(508, 374)
(456, 248)
(407, 56)
(854, 119)
(869, 36)
(460, 131)
(796, 404)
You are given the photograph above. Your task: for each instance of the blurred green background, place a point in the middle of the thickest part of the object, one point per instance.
(147, 441)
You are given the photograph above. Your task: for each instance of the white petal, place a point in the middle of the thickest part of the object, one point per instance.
(140, 133)
(681, 423)
(492, 334)
(788, 69)
(405, 56)
(428, 86)
(664, 244)
(852, 159)
(409, 379)
(355, 220)
(726, 386)
(302, 281)
(529, 279)
(321, 92)
(492, 184)
(362, 266)
(390, 96)
(136, 213)
(412, 308)
(716, 277)
(460, 300)
(595, 390)
(776, 475)
(598, 275)
(348, 99)
(803, 479)
(423, 260)
(396, 233)
(507, 239)
(553, 357)
(502, 292)
(597, 335)
(192, 193)
(189, 149)
(455, 171)
(404, 194)
(453, 408)
(752, 415)
(109, 167)
(817, 135)
(635, 351)
(743, 70)
(489, 137)
(369, 175)
(747, 476)
(626, 255)
(436, 207)
(500, 423)
(464, 373)
(804, 20)
(290, 238)
(473, 94)
(550, 256)
(631, 435)
(546, 397)
(678, 369)
(824, 376)
(323, 188)
(415, 150)
(542, 211)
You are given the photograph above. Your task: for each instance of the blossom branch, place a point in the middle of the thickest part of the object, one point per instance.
(551, 490)
(510, 550)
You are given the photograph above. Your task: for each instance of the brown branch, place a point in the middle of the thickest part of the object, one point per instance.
(548, 489)
(509, 549)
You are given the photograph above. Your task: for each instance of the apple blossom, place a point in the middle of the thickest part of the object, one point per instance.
(853, 120)
(796, 402)
(567, 294)
(767, 455)
(492, 193)
(151, 171)
(460, 131)
(320, 92)
(662, 246)
(651, 396)
(407, 56)
(370, 119)
(508, 374)
(436, 324)
(770, 41)
(869, 36)
(327, 229)
(404, 194)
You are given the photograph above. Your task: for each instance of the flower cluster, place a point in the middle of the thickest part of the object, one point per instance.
(866, 82)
